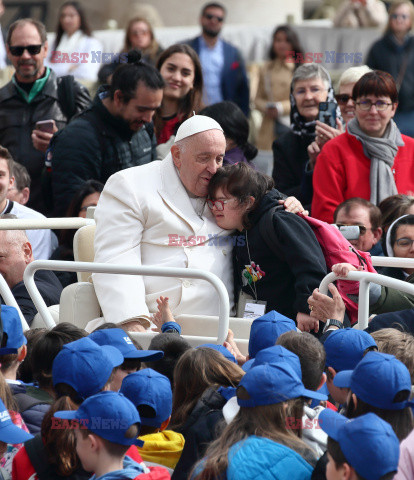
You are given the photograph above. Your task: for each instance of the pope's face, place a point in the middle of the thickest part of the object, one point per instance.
(198, 158)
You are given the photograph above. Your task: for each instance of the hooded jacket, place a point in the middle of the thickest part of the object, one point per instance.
(292, 268)
(163, 448)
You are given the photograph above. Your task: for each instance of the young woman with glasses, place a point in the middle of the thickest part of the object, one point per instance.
(371, 160)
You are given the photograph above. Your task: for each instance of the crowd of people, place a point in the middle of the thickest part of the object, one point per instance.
(165, 154)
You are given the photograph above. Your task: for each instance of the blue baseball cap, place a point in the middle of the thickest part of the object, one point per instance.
(345, 348)
(85, 366)
(119, 339)
(9, 432)
(148, 387)
(273, 383)
(222, 349)
(369, 443)
(12, 325)
(266, 329)
(108, 415)
(376, 380)
(275, 354)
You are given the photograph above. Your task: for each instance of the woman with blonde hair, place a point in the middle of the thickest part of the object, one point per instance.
(139, 35)
(394, 54)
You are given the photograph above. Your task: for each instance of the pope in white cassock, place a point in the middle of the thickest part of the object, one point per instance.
(156, 214)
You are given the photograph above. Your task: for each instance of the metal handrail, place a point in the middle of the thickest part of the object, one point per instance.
(9, 299)
(28, 278)
(364, 279)
(398, 262)
(44, 223)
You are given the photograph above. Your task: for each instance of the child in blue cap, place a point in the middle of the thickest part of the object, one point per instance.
(151, 394)
(380, 384)
(364, 448)
(13, 346)
(267, 395)
(106, 426)
(133, 357)
(80, 370)
(344, 349)
(11, 438)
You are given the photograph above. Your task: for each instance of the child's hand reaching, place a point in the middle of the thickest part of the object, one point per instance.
(163, 315)
(232, 347)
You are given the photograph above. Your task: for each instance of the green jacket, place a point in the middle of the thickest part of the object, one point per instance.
(392, 300)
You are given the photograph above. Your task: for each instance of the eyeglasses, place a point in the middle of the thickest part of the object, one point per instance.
(404, 242)
(209, 16)
(219, 204)
(366, 105)
(17, 51)
(394, 16)
(362, 228)
(343, 98)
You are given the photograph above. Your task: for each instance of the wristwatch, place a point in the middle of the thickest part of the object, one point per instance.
(332, 322)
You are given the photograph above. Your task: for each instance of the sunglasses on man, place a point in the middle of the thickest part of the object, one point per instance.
(17, 50)
(210, 16)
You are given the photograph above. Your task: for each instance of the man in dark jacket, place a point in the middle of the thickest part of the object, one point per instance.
(34, 95)
(113, 134)
(15, 255)
(224, 71)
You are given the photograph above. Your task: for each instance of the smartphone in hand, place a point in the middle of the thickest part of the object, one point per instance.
(45, 126)
(327, 113)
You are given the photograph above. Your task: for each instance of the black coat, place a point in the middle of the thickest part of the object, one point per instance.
(290, 155)
(49, 287)
(95, 145)
(203, 425)
(293, 267)
(18, 119)
(388, 56)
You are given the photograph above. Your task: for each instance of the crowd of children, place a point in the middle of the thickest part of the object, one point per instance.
(77, 407)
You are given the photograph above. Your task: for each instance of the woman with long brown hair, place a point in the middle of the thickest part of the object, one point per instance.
(271, 400)
(199, 377)
(180, 68)
(74, 43)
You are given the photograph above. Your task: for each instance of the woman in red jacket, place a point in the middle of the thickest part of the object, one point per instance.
(371, 159)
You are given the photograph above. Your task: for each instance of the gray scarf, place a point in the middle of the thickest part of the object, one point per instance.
(381, 152)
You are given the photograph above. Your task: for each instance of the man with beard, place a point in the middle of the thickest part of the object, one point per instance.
(113, 134)
(33, 95)
(224, 72)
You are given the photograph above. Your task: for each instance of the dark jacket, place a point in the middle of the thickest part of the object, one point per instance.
(293, 267)
(33, 403)
(203, 425)
(49, 287)
(387, 55)
(18, 119)
(94, 146)
(290, 155)
(402, 320)
(234, 82)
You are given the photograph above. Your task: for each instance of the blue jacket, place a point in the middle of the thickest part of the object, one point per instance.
(234, 82)
(131, 470)
(259, 457)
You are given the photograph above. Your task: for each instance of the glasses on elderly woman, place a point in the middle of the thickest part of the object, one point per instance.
(366, 105)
